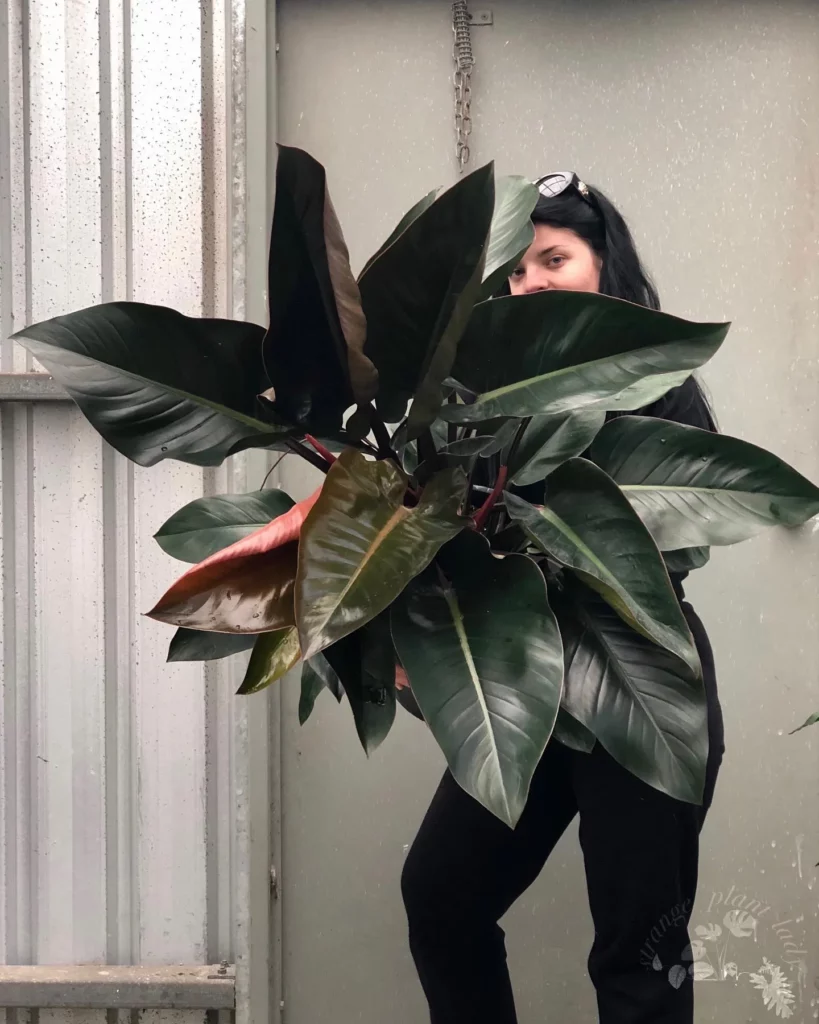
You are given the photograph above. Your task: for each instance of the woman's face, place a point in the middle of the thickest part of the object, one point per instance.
(558, 258)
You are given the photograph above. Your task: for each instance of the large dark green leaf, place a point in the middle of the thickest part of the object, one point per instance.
(418, 295)
(274, 654)
(643, 704)
(210, 524)
(361, 545)
(511, 232)
(589, 526)
(549, 441)
(364, 663)
(693, 488)
(314, 346)
(311, 686)
(558, 351)
(572, 734)
(686, 559)
(316, 675)
(203, 645)
(502, 430)
(483, 654)
(156, 384)
(411, 215)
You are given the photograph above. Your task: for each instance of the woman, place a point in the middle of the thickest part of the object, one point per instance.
(640, 846)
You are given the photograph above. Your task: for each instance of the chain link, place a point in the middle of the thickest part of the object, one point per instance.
(464, 62)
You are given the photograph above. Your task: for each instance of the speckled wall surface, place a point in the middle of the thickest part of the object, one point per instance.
(701, 119)
(119, 831)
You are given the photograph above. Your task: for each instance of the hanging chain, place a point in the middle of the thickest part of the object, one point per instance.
(464, 62)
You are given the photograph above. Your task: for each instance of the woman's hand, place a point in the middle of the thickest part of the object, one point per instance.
(401, 680)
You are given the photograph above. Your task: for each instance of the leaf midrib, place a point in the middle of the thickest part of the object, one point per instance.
(546, 513)
(463, 641)
(676, 488)
(224, 410)
(614, 661)
(399, 515)
(575, 368)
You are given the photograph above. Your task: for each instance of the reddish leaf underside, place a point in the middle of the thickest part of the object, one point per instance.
(246, 587)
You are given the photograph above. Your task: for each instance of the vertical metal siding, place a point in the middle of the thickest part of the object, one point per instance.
(121, 176)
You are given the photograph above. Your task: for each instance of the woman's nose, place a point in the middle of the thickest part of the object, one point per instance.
(535, 283)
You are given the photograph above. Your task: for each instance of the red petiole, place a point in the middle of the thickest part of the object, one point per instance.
(483, 512)
(323, 452)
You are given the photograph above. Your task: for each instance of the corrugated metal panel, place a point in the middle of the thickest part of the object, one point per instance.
(118, 771)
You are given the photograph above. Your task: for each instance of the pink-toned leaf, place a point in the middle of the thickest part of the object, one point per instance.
(246, 587)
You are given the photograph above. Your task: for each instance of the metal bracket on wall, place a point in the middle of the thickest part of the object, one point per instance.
(481, 18)
(31, 387)
(184, 987)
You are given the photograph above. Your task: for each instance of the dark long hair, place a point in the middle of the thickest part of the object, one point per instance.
(622, 275)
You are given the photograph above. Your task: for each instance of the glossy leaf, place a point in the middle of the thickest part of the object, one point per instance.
(466, 447)
(409, 217)
(481, 647)
(649, 390)
(588, 526)
(250, 594)
(364, 663)
(643, 704)
(316, 675)
(556, 352)
(313, 350)
(361, 545)
(331, 681)
(693, 488)
(549, 441)
(572, 734)
(228, 591)
(202, 645)
(511, 232)
(157, 384)
(207, 525)
(312, 685)
(502, 430)
(418, 296)
(274, 654)
(686, 559)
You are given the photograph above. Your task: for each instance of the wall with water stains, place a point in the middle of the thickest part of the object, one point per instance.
(124, 797)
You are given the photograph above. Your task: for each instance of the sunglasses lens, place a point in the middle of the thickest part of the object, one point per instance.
(553, 184)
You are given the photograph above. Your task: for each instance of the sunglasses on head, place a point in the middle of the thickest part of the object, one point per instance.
(551, 185)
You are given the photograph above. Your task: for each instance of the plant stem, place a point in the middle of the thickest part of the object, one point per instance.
(483, 512)
(427, 452)
(382, 437)
(470, 483)
(274, 466)
(306, 453)
(452, 428)
(517, 439)
(323, 452)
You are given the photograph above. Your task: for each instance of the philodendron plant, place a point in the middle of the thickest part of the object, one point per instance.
(428, 405)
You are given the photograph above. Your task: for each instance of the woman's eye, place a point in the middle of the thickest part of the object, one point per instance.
(557, 261)
(517, 272)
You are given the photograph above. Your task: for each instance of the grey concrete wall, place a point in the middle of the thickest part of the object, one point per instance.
(700, 120)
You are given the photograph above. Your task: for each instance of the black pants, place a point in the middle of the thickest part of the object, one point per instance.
(640, 849)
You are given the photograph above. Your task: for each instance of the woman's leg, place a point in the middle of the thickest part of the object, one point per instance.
(641, 853)
(463, 872)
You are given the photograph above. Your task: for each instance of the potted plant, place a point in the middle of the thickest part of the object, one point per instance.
(427, 404)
